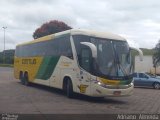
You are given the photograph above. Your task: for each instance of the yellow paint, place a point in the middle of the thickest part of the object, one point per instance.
(66, 64)
(109, 82)
(82, 88)
(31, 67)
(45, 38)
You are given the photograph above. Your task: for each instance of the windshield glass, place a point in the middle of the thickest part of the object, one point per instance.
(105, 56)
(113, 57)
(122, 54)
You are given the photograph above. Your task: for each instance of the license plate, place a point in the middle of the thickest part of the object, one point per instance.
(117, 93)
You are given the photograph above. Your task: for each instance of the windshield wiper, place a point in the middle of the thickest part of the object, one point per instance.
(117, 61)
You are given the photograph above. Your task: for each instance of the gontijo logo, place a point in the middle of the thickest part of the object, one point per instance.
(28, 61)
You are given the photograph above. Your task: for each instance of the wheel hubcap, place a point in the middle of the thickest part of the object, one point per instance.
(157, 86)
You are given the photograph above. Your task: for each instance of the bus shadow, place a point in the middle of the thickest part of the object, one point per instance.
(102, 100)
(145, 87)
(45, 88)
(77, 96)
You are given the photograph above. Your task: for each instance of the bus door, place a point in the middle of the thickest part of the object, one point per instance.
(85, 77)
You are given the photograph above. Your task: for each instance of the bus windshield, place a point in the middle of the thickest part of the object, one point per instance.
(113, 56)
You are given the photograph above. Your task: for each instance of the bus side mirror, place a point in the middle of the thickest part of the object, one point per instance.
(92, 47)
(139, 51)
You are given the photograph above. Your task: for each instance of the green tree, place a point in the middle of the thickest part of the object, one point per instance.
(9, 57)
(51, 27)
(1, 58)
(156, 55)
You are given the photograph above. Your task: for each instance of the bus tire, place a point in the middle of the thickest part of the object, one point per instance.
(26, 81)
(69, 89)
(21, 78)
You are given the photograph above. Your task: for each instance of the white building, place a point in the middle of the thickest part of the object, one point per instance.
(146, 65)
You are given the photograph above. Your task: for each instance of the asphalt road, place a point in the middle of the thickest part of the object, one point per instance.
(36, 99)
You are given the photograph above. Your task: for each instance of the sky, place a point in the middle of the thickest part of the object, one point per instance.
(138, 21)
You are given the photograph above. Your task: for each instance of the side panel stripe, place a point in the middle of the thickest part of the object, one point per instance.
(47, 67)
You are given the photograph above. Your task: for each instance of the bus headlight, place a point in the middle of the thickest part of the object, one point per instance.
(131, 84)
(102, 84)
(99, 83)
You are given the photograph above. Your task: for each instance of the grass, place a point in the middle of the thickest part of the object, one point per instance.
(145, 51)
(6, 65)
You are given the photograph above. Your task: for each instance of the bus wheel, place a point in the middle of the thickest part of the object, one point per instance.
(69, 89)
(26, 82)
(21, 78)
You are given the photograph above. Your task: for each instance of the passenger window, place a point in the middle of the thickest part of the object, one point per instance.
(141, 75)
(145, 76)
(65, 46)
(56, 47)
(135, 75)
(85, 59)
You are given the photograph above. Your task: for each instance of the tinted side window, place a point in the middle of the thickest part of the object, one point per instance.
(85, 60)
(50, 48)
(135, 75)
(56, 47)
(65, 46)
(141, 75)
(77, 40)
(83, 52)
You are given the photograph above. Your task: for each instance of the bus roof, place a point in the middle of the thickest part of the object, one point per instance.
(97, 34)
(77, 32)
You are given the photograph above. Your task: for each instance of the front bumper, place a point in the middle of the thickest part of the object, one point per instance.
(99, 91)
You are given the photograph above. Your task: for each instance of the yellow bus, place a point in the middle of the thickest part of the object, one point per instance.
(77, 61)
